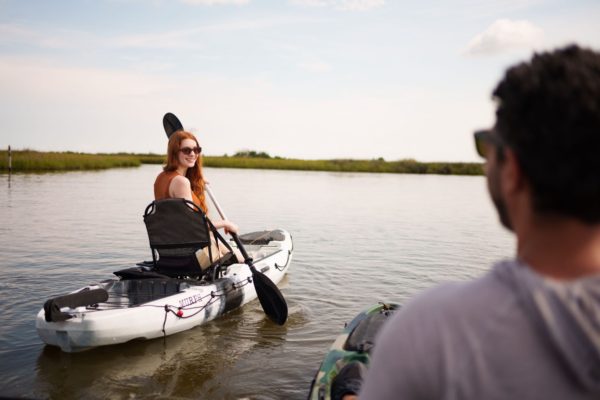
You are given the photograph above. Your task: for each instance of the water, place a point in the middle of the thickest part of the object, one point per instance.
(359, 239)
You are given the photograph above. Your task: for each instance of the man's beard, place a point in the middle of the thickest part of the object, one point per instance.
(495, 193)
(502, 213)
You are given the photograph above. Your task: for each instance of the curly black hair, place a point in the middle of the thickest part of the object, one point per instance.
(549, 114)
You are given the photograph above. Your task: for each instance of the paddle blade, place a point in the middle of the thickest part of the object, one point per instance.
(270, 298)
(171, 124)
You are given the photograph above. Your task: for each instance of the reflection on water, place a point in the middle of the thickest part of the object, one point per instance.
(183, 365)
(359, 239)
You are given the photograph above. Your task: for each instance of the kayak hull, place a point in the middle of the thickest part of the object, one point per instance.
(354, 344)
(173, 306)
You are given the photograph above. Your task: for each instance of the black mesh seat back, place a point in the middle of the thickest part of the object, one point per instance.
(172, 223)
(176, 229)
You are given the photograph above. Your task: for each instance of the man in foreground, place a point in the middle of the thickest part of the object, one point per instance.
(530, 328)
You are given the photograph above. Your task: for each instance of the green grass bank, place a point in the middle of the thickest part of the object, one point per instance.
(377, 165)
(38, 161)
(35, 161)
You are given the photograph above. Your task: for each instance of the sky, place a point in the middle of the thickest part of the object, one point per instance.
(312, 79)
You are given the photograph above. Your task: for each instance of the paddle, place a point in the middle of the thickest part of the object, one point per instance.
(271, 299)
(171, 124)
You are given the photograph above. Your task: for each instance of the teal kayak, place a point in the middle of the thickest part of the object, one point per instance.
(353, 344)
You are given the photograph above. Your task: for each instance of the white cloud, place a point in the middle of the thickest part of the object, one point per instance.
(14, 34)
(215, 2)
(316, 66)
(359, 5)
(14, 31)
(312, 3)
(504, 35)
(48, 106)
(85, 109)
(58, 39)
(183, 38)
(349, 5)
(178, 39)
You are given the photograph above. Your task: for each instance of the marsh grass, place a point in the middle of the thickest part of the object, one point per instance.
(376, 165)
(31, 161)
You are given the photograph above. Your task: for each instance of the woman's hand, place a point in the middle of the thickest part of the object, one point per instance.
(230, 227)
(227, 225)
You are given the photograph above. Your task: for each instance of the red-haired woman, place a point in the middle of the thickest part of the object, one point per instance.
(182, 176)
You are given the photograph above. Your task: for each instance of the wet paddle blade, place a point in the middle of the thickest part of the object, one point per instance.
(171, 124)
(268, 293)
(270, 298)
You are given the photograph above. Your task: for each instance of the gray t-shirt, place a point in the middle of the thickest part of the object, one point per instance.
(511, 334)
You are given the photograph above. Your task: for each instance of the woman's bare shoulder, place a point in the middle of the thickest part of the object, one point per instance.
(180, 187)
(181, 179)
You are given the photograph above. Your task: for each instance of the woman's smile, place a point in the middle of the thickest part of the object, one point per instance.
(190, 159)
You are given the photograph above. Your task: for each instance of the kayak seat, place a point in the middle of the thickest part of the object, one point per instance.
(177, 229)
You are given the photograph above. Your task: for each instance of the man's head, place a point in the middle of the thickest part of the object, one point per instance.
(548, 115)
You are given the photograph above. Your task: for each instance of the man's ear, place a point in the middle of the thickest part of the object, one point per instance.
(511, 175)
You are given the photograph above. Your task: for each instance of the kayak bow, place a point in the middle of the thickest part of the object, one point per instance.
(353, 344)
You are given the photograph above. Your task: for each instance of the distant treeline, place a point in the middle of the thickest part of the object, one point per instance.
(30, 161)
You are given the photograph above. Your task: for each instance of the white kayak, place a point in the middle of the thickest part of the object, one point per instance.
(152, 307)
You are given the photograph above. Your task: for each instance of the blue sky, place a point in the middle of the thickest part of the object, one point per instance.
(299, 78)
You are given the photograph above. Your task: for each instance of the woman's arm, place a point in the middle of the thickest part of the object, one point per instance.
(229, 226)
(180, 187)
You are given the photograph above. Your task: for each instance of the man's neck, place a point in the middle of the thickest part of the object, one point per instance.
(560, 248)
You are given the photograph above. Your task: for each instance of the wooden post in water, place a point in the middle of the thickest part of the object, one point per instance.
(9, 165)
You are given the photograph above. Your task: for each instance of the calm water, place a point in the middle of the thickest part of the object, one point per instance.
(359, 239)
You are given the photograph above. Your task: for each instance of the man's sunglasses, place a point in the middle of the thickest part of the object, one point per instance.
(188, 150)
(483, 139)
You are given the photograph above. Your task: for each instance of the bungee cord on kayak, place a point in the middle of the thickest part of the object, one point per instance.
(179, 313)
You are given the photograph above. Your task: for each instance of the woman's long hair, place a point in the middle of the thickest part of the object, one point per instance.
(194, 174)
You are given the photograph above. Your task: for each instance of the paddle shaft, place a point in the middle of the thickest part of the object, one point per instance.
(214, 201)
(247, 259)
(271, 299)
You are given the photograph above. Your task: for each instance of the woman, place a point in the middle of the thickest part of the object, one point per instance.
(182, 177)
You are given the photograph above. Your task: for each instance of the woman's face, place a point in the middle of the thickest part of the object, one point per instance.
(190, 147)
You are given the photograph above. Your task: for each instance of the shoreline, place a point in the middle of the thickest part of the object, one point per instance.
(24, 161)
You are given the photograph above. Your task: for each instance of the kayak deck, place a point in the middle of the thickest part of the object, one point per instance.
(156, 307)
(354, 344)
